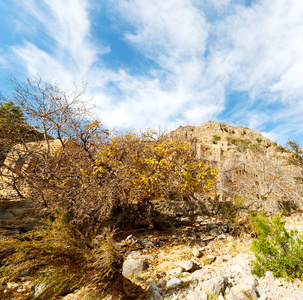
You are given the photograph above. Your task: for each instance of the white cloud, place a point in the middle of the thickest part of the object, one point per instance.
(200, 50)
(70, 51)
(262, 43)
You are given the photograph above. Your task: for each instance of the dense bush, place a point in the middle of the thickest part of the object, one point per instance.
(277, 249)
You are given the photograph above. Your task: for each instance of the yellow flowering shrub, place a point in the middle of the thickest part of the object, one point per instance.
(138, 168)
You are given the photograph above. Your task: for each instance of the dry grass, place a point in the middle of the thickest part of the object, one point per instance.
(66, 260)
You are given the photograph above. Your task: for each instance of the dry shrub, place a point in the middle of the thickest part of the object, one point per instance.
(63, 258)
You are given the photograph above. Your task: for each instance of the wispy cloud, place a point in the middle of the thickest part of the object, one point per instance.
(66, 25)
(262, 46)
(201, 54)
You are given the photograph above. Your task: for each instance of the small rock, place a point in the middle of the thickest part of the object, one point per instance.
(154, 291)
(133, 267)
(193, 296)
(175, 271)
(12, 285)
(197, 253)
(269, 275)
(174, 282)
(198, 275)
(221, 236)
(229, 297)
(187, 265)
(227, 257)
(241, 269)
(147, 256)
(214, 286)
(161, 282)
(209, 259)
(38, 289)
(278, 282)
(249, 279)
(25, 272)
(148, 244)
(219, 260)
(243, 292)
(120, 246)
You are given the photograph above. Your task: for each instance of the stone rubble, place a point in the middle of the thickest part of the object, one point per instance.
(173, 268)
(214, 272)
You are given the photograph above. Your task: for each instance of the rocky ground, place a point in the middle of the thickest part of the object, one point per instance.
(202, 261)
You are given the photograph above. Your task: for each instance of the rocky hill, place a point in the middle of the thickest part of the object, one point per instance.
(210, 133)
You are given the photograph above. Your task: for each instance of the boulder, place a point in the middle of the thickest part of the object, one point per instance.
(174, 282)
(214, 286)
(38, 290)
(133, 267)
(187, 265)
(249, 279)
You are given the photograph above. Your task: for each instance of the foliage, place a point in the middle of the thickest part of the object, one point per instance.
(62, 257)
(254, 147)
(242, 144)
(277, 249)
(216, 138)
(139, 168)
(8, 110)
(259, 140)
(12, 126)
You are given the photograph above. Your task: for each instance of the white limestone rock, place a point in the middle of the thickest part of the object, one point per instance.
(133, 267)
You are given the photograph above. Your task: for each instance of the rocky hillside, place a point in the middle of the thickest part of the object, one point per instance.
(213, 132)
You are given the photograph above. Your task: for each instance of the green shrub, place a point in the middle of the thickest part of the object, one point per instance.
(216, 138)
(277, 249)
(259, 140)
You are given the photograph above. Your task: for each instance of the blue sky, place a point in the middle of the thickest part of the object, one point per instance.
(155, 63)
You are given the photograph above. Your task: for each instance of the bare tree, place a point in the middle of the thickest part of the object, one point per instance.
(258, 174)
(48, 169)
